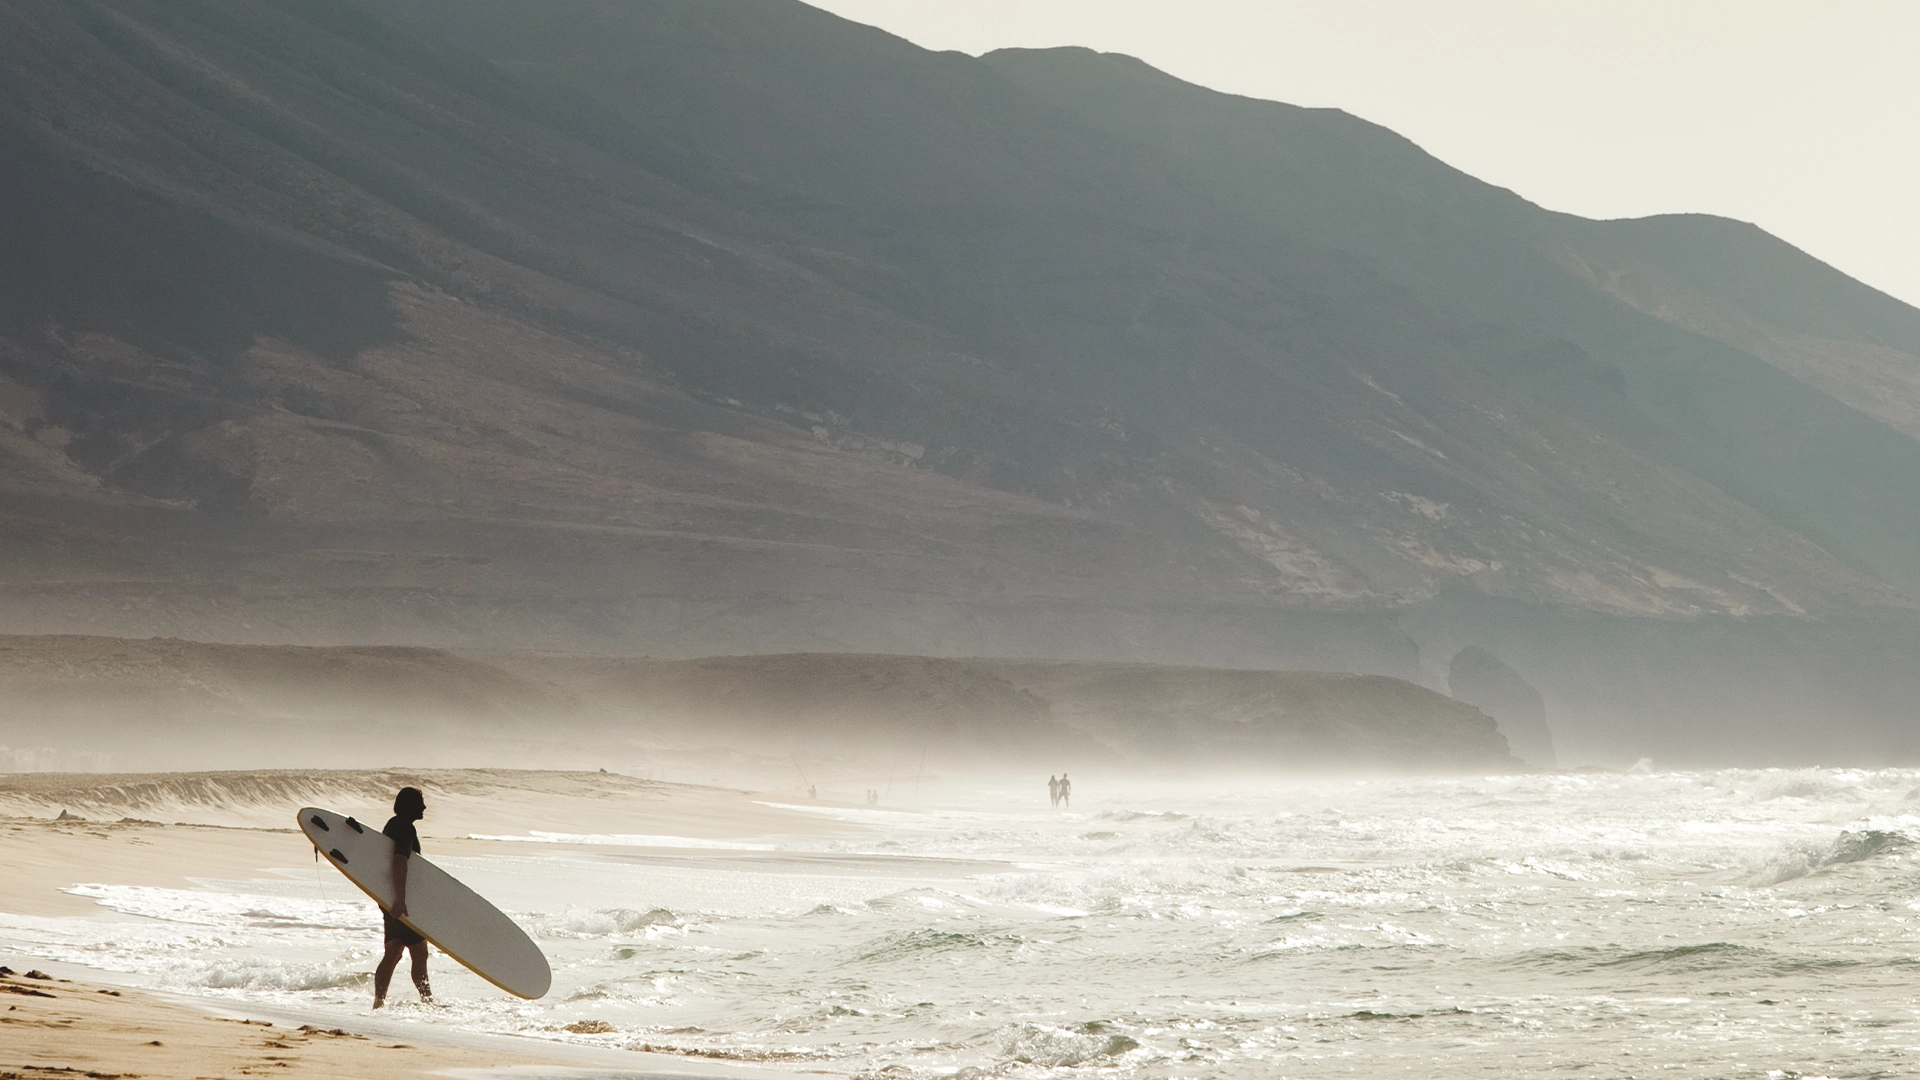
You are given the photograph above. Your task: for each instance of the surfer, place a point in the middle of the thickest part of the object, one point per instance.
(1053, 791)
(408, 807)
(1066, 791)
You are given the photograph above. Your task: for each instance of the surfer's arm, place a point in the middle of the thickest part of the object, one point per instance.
(400, 883)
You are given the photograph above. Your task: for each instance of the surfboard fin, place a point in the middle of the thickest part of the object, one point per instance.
(320, 823)
(337, 857)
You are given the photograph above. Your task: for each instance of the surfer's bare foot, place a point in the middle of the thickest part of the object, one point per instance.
(379, 1001)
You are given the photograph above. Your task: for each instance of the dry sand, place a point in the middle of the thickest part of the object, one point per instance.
(125, 829)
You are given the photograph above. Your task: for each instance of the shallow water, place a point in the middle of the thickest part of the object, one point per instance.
(1735, 923)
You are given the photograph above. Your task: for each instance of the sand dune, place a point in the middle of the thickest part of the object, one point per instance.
(113, 704)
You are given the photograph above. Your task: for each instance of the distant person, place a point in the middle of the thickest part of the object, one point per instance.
(1053, 791)
(1066, 791)
(408, 807)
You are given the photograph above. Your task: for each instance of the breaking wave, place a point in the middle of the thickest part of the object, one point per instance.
(253, 974)
(625, 840)
(1043, 1044)
(609, 922)
(914, 943)
(1801, 860)
(1808, 784)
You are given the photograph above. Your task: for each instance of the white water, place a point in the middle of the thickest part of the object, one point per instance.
(1724, 924)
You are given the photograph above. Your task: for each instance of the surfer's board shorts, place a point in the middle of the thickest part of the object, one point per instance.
(399, 931)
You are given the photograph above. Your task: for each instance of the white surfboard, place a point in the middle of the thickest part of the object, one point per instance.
(448, 914)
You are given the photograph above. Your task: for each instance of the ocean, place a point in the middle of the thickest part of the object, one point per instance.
(1713, 924)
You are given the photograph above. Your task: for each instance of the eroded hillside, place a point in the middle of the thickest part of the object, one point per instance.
(719, 326)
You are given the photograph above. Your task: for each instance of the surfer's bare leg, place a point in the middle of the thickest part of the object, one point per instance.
(419, 951)
(383, 975)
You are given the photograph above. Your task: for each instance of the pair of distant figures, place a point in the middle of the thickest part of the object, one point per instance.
(1059, 790)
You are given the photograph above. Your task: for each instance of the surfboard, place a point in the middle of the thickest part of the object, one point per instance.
(439, 908)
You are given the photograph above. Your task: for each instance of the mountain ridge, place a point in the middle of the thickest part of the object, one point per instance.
(687, 327)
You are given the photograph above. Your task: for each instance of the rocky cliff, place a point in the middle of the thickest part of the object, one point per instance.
(1483, 681)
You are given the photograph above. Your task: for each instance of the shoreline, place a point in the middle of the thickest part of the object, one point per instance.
(68, 1023)
(60, 1024)
(112, 1023)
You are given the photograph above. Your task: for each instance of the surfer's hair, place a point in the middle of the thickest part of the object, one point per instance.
(410, 803)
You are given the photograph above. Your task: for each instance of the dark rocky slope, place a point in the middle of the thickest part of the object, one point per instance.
(704, 326)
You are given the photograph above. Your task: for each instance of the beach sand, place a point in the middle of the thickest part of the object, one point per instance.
(167, 830)
(60, 1028)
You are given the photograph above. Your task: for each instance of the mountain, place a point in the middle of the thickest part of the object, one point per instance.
(705, 326)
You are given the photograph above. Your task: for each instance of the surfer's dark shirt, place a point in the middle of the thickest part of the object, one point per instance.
(406, 840)
(405, 837)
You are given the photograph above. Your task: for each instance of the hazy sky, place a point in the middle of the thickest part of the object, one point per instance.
(1801, 116)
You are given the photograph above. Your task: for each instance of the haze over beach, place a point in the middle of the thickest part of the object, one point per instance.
(736, 461)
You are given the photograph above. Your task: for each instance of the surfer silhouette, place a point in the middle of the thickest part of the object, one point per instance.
(1053, 791)
(409, 806)
(1066, 791)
